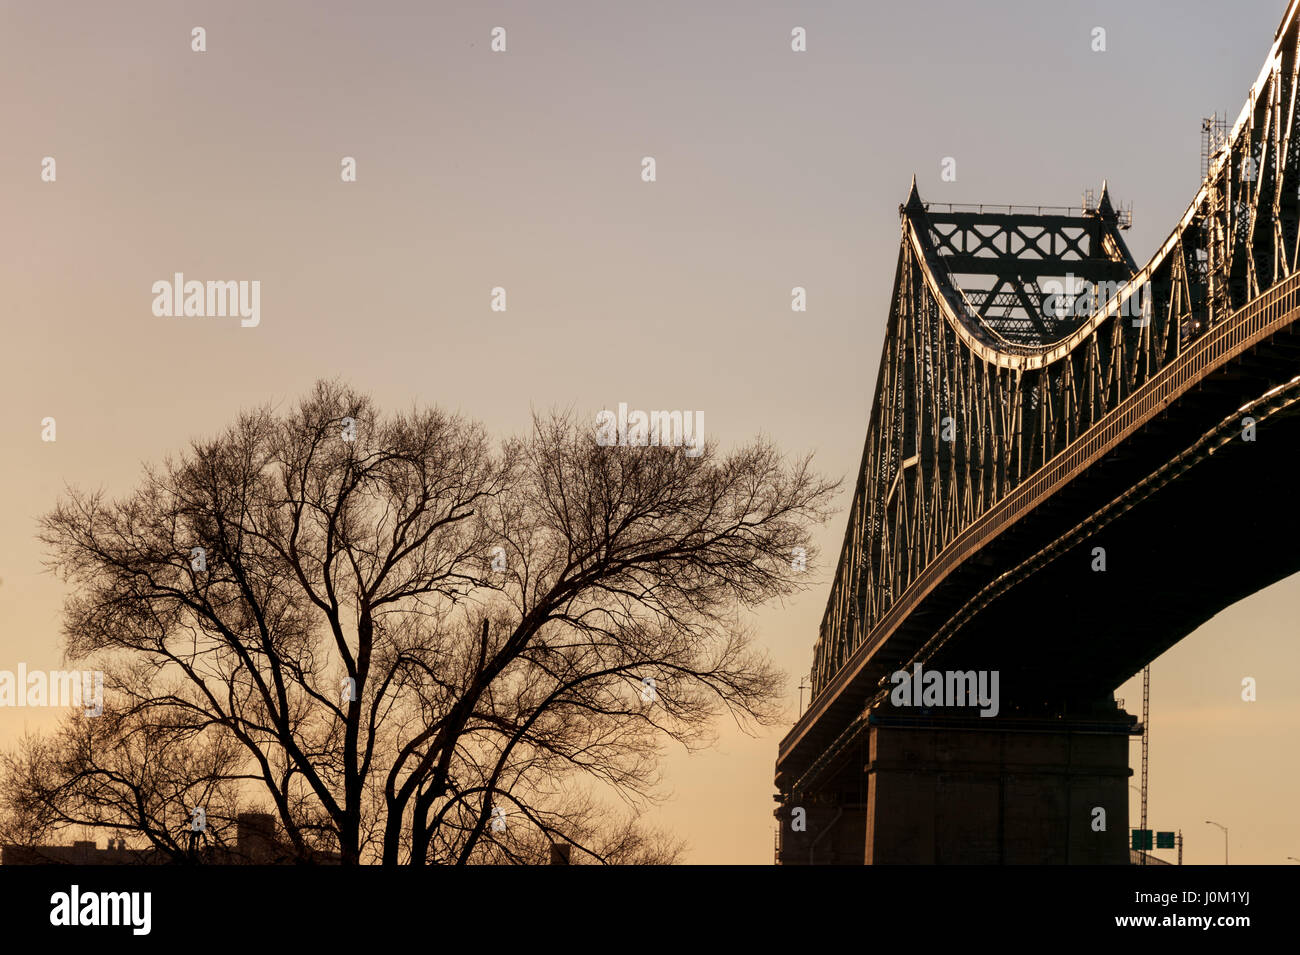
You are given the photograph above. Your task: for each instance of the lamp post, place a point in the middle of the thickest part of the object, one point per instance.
(1210, 822)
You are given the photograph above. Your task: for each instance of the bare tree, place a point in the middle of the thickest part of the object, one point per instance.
(417, 647)
(128, 777)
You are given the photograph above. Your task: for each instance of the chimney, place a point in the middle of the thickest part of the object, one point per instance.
(256, 837)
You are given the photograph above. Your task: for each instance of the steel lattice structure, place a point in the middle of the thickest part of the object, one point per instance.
(992, 379)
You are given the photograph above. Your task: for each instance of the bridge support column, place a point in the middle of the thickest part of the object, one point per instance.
(822, 833)
(1004, 790)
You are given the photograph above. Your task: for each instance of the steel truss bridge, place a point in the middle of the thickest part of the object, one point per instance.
(1040, 400)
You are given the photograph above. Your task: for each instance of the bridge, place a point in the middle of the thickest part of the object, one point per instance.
(1071, 463)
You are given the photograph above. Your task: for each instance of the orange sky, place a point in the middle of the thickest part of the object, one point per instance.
(522, 170)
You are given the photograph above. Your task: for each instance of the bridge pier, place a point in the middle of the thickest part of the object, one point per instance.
(1007, 790)
(934, 788)
(822, 832)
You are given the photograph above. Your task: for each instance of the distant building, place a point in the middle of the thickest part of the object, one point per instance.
(257, 842)
(82, 852)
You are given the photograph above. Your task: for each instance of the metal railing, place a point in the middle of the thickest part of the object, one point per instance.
(985, 208)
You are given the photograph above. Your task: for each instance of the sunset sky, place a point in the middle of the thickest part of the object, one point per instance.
(522, 170)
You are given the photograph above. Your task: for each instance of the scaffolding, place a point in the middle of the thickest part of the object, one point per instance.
(1214, 140)
(1091, 206)
(1146, 742)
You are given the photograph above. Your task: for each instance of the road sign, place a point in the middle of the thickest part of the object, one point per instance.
(1142, 839)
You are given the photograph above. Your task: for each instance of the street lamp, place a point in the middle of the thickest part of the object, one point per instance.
(1210, 822)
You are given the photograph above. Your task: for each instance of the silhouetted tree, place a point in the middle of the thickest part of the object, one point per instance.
(417, 647)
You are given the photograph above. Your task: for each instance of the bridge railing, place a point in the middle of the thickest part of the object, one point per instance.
(985, 208)
(1212, 350)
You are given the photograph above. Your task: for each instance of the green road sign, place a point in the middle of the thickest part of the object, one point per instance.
(1165, 840)
(1141, 838)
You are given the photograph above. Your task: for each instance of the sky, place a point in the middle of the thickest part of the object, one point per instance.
(522, 170)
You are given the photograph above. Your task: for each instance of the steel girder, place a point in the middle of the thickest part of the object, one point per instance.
(978, 389)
